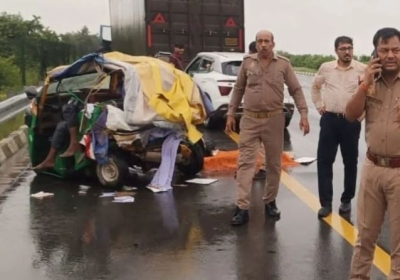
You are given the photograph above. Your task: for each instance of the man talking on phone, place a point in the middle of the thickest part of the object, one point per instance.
(379, 96)
(333, 85)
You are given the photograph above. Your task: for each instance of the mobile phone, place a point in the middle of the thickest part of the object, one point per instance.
(374, 54)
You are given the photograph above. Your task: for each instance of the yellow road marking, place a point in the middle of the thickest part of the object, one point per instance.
(343, 227)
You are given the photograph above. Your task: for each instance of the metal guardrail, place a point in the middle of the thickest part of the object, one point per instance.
(305, 73)
(13, 106)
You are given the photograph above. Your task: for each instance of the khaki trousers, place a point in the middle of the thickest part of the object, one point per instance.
(253, 131)
(379, 191)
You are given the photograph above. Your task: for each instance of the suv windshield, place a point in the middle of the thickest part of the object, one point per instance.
(231, 68)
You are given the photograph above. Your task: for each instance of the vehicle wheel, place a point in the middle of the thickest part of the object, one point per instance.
(210, 123)
(113, 173)
(237, 121)
(196, 161)
(288, 116)
(287, 121)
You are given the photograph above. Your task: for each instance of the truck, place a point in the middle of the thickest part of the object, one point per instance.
(147, 27)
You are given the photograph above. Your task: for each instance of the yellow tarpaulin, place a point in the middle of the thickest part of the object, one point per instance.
(170, 92)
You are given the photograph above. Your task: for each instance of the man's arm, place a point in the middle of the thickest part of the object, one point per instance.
(238, 91)
(318, 81)
(356, 106)
(296, 91)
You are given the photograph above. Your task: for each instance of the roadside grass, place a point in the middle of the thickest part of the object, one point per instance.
(3, 96)
(11, 125)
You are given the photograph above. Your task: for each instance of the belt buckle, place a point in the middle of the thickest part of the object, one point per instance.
(383, 161)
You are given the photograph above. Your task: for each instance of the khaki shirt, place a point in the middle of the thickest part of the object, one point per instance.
(333, 86)
(382, 119)
(261, 88)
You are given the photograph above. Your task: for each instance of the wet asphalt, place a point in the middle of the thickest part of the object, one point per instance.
(180, 234)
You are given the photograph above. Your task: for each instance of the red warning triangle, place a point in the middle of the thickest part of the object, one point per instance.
(159, 18)
(230, 22)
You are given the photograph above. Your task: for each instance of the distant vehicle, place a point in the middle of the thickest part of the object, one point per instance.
(215, 73)
(164, 56)
(146, 27)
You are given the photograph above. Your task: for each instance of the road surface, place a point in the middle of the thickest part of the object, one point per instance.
(181, 234)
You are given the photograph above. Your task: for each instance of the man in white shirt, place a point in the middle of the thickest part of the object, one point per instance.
(338, 81)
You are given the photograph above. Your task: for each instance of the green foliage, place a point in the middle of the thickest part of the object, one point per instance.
(312, 62)
(303, 69)
(9, 74)
(11, 125)
(28, 50)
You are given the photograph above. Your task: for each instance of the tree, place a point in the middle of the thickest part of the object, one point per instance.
(34, 48)
(83, 41)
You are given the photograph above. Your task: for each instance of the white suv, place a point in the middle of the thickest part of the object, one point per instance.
(215, 73)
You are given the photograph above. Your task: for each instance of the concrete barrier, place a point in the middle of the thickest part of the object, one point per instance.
(13, 143)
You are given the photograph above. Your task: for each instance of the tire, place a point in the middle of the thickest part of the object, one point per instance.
(196, 161)
(113, 173)
(210, 123)
(237, 121)
(288, 116)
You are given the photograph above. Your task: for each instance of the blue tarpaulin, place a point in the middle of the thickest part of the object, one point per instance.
(76, 68)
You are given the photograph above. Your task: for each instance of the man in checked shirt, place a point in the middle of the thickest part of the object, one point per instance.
(339, 80)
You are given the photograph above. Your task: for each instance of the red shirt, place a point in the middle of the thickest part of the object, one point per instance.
(176, 60)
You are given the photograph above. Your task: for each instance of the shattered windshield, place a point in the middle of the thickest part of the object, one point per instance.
(79, 82)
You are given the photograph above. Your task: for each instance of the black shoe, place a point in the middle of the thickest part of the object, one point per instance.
(345, 207)
(262, 174)
(240, 217)
(324, 212)
(271, 210)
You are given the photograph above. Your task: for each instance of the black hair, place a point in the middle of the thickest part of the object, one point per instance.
(343, 40)
(252, 47)
(384, 34)
(179, 46)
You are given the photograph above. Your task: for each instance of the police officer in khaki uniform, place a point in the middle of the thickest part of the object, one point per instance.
(260, 83)
(379, 96)
(261, 173)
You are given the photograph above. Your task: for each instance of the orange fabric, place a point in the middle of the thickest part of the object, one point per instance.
(225, 161)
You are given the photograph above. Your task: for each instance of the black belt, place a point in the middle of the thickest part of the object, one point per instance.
(338, 115)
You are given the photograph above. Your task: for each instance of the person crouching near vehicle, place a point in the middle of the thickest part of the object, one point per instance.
(66, 130)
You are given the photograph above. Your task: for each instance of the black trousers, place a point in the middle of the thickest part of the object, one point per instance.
(337, 131)
(61, 136)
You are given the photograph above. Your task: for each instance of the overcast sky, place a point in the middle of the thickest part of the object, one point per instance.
(299, 26)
